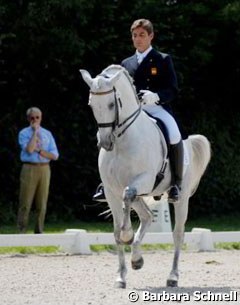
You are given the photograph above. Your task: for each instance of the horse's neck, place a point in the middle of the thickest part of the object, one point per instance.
(128, 97)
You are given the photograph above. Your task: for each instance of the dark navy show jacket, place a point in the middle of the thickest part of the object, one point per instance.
(155, 73)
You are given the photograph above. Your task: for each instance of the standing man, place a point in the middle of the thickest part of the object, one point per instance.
(155, 79)
(38, 148)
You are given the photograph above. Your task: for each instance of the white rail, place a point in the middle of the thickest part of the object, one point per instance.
(78, 241)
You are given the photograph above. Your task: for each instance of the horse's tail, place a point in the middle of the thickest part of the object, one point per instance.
(201, 155)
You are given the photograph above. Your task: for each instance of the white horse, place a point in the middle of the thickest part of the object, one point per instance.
(132, 152)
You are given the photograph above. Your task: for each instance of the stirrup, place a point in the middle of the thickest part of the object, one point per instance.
(99, 195)
(173, 194)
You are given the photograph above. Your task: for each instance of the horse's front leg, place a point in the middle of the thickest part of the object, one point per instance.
(115, 204)
(142, 184)
(122, 269)
(145, 216)
(127, 234)
(181, 210)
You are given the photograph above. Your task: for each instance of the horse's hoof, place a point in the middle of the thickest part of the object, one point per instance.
(120, 284)
(172, 283)
(137, 264)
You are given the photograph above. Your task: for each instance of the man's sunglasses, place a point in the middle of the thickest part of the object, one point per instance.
(34, 117)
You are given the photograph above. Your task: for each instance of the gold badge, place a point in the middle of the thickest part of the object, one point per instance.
(154, 71)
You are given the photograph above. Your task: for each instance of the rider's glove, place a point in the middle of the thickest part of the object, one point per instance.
(149, 97)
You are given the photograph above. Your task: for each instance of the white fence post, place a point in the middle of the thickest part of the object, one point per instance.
(80, 244)
(205, 242)
(161, 215)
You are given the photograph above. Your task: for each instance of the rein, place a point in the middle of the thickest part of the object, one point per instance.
(116, 123)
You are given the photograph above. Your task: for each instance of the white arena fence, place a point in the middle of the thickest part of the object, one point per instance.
(76, 241)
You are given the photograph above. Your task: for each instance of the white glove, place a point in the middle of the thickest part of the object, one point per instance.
(149, 97)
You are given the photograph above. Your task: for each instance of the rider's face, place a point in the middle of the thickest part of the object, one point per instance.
(141, 39)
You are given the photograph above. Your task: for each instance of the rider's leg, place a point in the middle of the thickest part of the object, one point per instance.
(176, 154)
(176, 149)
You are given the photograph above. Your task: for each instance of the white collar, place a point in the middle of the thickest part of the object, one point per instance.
(141, 56)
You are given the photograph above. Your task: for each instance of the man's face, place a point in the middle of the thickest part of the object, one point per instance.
(35, 118)
(141, 39)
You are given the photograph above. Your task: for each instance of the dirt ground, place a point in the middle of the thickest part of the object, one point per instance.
(89, 279)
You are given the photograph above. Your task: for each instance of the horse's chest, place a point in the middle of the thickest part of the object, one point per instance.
(120, 168)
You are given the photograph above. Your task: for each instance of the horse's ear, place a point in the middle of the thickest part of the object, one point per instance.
(87, 77)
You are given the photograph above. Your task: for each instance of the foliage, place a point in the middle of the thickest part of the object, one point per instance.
(44, 43)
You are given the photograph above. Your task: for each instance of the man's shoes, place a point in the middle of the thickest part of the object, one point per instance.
(173, 194)
(99, 195)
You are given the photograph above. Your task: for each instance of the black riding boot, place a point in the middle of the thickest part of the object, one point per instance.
(176, 154)
(99, 195)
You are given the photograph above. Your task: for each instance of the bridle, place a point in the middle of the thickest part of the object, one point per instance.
(115, 124)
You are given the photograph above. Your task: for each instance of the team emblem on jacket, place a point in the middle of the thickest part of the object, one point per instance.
(154, 71)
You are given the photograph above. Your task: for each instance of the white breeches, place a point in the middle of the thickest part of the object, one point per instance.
(171, 125)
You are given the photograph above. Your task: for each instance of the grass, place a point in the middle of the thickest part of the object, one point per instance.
(228, 246)
(221, 223)
(29, 250)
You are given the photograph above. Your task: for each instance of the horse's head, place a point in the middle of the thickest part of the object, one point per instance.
(114, 103)
(104, 104)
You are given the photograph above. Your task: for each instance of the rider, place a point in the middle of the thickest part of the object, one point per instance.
(155, 79)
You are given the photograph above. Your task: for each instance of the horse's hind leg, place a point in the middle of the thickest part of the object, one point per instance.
(181, 211)
(145, 216)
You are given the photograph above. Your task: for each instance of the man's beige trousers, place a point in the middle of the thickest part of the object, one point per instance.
(34, 187)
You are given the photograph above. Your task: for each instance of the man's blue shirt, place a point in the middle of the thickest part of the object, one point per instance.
(47, 143)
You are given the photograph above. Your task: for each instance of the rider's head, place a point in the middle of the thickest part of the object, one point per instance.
(142, 34)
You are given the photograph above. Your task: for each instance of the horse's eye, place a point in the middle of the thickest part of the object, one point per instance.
(111, 106)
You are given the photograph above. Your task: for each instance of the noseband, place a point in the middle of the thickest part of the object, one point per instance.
(116, 123)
